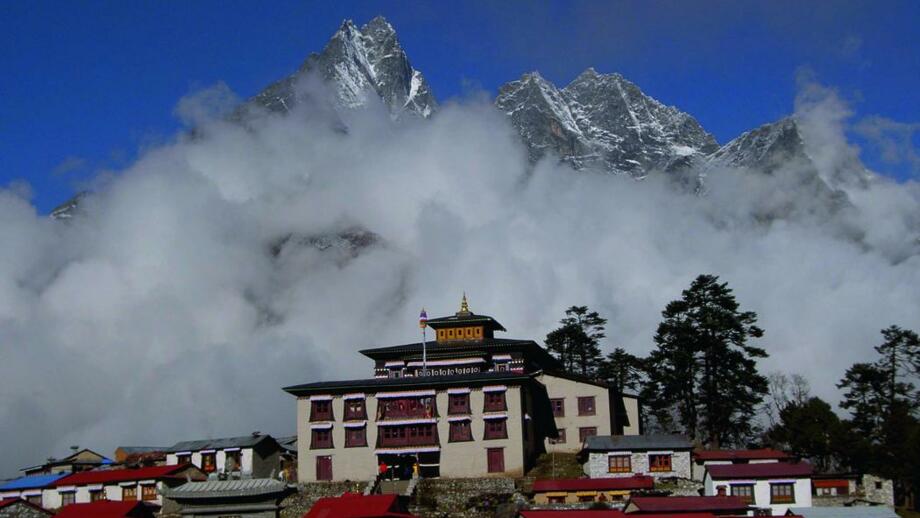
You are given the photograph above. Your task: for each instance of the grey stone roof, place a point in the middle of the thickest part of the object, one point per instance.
(637, 442)
(246, 441)
(226, 488)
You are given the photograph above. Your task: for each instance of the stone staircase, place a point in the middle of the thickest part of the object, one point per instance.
(395, 487)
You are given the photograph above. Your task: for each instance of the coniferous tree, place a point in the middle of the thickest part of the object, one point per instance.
(809, 429)
(622, 370)
(576, 344)
(703, 374)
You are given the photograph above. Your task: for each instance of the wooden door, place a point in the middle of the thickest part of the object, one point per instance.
(496, 460)
(324, 467)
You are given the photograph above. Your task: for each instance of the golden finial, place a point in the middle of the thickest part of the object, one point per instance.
(464, 306)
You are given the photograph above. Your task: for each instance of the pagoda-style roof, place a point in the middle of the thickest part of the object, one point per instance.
(530, 349)
(467, 319)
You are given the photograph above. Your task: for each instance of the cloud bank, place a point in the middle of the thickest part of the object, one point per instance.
(206, 276)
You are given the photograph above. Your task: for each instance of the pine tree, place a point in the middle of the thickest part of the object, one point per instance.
(808, 429)
(622, 370)
(703, 373)
(576, 343)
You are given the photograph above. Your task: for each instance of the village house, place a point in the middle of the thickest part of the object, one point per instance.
(704, 458)
(583, 407)
(845, 489)
(581, 490)
(140, 455)
(29, 488)
(465, 405)
(250, 456)
(140, 484)
(249, 498)
(776, 486)
(658, 456)
(19, 508)
(79, 460)
(691, 505)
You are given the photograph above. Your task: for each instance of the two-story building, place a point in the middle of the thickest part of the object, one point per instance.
(255, 455)
(466, 404)
(775, 486)
(78, 460)
(140, 484)
(657, 455)
(705, 458)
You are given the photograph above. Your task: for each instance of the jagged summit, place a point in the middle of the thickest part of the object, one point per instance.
(764, 148)
(356, 63)
(601, 120)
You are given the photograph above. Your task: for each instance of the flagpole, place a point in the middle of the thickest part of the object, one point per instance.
(423, 323)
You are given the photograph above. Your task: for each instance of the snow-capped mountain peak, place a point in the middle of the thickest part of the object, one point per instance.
(602, 121)
(357, 63)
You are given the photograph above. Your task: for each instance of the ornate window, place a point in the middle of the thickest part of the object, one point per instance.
(321, 410)
(782, 493)
(658, 463)
(458, 404)
(496, 429)
(129, 493)
(745, 491)
(354, 409)
(149, 492)
(355, 436)
(460, 431)
(495, 401)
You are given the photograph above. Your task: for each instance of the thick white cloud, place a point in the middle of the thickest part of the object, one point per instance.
(162, 314)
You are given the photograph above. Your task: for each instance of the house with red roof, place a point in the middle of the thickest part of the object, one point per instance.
(696, 506)
(574, 490)
(776, 486)
(128, 485)
(353, 505)
(703, 458)
(108, 509)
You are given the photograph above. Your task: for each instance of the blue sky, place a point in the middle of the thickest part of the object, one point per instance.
(87, 86)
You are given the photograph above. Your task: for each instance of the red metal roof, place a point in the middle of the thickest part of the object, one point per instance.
(765, 470)
(105, 509)
(119, 475)
(594, 484)
(352, 505)
(668, 504)
(763, 453)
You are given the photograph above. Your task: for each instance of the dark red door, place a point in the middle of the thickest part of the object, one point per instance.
(496, 460)
(324, 468)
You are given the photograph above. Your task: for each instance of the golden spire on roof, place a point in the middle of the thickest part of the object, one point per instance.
(464, 307)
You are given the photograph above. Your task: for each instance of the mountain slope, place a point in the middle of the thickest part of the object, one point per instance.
(602, 121)
(356, 63)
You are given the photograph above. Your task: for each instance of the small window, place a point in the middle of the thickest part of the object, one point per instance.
(460, 431)
(184, 459)
(355, 437)
(495, 401)
(585, 432)
(619, 464)
(782, 494)
(129, 493)
(354, 409)
(34, 500)
(745, 491)
(658, 463)
(586, 405)
(496, 429)
(233, 460)
(557, 499)
(149, 492)
(558, 405)
(586, 498)
(208, 462)
(68, 498)
(878, 484)
(321, 410)
(321, 438)
(458, 404)
(96, 494)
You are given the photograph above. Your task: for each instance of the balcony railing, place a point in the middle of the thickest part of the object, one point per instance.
(406, 408)
(407, 435)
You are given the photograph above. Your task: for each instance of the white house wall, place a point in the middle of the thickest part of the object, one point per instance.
(801, 490)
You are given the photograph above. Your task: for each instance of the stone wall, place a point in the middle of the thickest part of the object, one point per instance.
(871, 490)
(298, 503)
(467, 498)
(22, 511)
